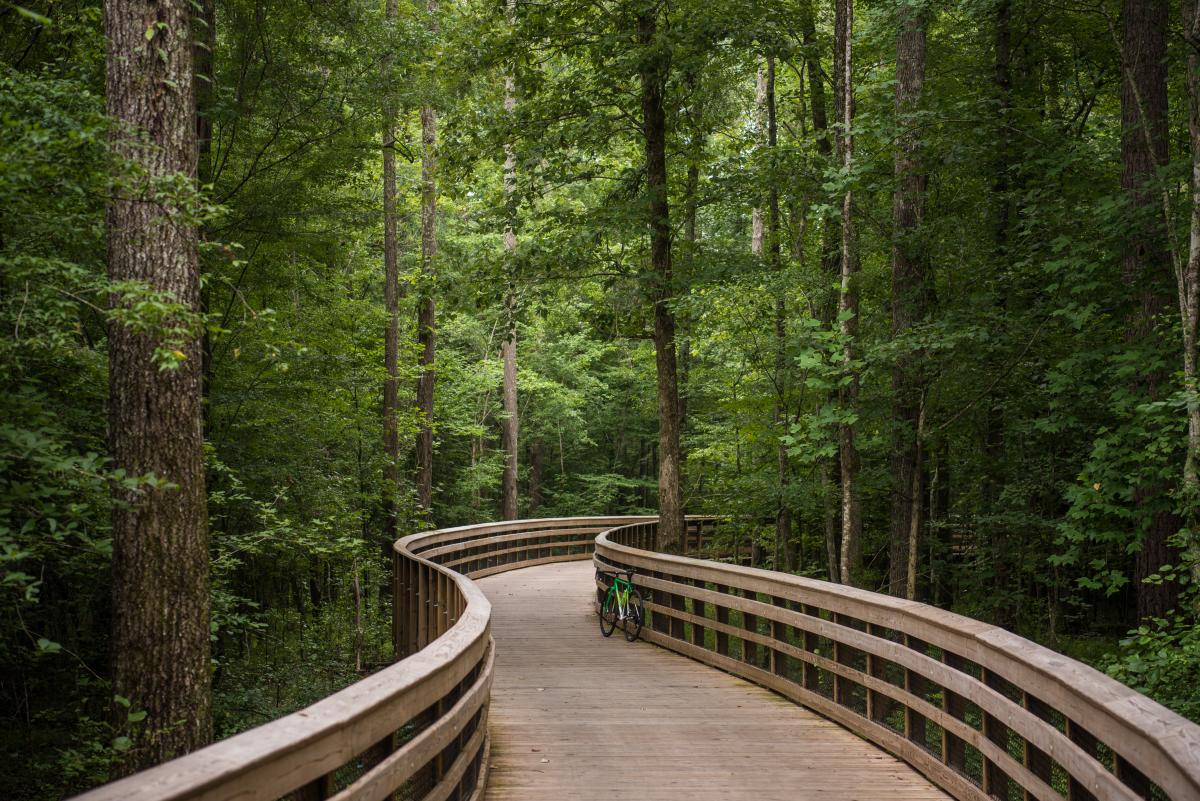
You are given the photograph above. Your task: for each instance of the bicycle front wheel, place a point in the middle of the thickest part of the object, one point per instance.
(608, 614)
(635, 615)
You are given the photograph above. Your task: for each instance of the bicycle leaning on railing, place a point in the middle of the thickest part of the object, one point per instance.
(622, 603)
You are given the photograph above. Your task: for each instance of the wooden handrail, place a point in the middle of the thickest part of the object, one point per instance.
(981, 712)
(418, 726)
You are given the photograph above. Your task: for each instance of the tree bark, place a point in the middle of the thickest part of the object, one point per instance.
(653, 71)
(757, 229)
(535, 476)
(830, 267)
(1146, 266)
(851, 541)
(426, 309)
(1190, 282)
(910, 301)
(160, 531)
(508, 351)
(391, 302)
(204, 38)
(783, 513)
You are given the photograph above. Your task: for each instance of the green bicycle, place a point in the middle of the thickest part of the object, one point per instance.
(621, 603)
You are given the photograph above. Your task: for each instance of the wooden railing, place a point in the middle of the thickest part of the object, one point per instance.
(981, 712)
(416, 730)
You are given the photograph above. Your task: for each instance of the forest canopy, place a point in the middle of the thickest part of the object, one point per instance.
(905, 291)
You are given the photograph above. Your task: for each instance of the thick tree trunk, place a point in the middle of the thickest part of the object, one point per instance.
(1146, 267)
(654, 69)
(160, 532)
(909, 288)
(426, 310)
(849, 563)
(391, 302)
(508, 351)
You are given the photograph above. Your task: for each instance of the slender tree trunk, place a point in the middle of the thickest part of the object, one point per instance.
(1146, 264)
(1190, 302)
(535, 476)
(426, 310)
(204, 37)
(828, 474)
(994, 535)
(830, 237)
(915, 508)
(783, 514)
(653, 73)
(909, 287)
(757, 230)
(830, 267)
(391, 302)
(160, 532)
(508, 350)
(1190, 284)
(851, 553)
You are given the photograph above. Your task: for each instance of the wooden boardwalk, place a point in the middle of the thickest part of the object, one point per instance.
(576, 717)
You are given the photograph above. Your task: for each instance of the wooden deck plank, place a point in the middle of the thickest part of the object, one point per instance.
(575, 716)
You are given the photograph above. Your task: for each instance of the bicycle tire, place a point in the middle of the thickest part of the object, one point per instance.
(633, 620)
(608, 614)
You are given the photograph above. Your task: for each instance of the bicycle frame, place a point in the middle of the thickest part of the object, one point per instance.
(620, 587)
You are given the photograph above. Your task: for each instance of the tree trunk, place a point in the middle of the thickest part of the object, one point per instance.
(915, 508)
(1190, 284)
(535, 477)
(994, 535)
(508, 351)
(426, 310)
(204, 38)
(391, 302)
(1146, 265)
(757, 229)
(160, 531)
(851, 544)
(783, 514)
(909, 287)
(653, 74)
(830, 267)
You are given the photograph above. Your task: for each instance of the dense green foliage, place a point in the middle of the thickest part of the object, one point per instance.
(1038, 437)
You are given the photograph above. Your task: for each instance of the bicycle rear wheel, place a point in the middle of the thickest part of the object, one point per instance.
(608, 613)
(635, 616)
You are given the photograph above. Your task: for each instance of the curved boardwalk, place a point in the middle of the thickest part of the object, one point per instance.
(576, 717)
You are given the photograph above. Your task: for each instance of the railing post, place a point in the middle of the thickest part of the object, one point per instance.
(914, 683)
(954, 751)
(698, 609)
(1086, 741)
(750, 623)
(779, 632)
(722, 617)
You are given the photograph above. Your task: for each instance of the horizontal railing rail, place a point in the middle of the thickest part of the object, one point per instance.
(981, 712)
(417, 729)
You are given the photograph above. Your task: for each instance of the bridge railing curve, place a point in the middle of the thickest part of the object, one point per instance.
(417, 729)
(981, 712)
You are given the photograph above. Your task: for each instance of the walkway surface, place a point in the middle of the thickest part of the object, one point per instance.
(577, 717)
